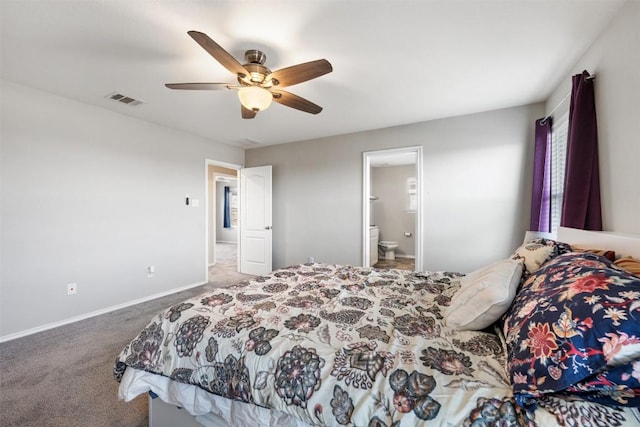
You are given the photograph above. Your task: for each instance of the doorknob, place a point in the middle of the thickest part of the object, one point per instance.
(268, 227)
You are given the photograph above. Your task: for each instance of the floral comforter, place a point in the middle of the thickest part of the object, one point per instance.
(339, 345)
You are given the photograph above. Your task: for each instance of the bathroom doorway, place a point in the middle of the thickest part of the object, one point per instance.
(392, 207)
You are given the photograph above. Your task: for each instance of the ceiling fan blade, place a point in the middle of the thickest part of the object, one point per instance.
(294, 101)
(300, 73)
(219, 54)
(198, 86)
(246, 113)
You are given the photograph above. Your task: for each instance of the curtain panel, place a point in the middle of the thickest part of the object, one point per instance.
(227, 207)
(541, 192)
(581, 202)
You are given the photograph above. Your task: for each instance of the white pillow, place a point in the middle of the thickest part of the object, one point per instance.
(485, 295)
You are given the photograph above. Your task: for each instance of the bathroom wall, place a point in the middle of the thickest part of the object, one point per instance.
(389, 212)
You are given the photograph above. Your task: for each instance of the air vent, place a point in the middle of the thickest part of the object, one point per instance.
(124, 99)
(251, 141)
(246, 142)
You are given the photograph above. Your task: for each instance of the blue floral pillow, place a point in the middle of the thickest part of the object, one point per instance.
(619, 385)
(572, 319)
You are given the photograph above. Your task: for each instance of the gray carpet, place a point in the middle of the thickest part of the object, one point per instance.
(63, 377)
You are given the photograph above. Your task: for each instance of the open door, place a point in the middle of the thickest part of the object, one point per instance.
(255, 220)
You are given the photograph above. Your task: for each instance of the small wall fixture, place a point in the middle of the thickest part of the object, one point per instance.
(255, 98)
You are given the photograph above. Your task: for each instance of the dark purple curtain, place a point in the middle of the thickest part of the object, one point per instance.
(581, 199)
(541, 194)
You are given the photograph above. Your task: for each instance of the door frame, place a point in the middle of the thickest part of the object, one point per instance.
(209, 190)
(368, 156)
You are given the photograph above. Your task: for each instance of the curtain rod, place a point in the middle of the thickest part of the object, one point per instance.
(562, 102)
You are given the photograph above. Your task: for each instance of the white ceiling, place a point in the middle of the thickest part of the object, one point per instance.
(395, 61)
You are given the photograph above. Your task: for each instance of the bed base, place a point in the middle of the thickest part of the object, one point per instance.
(162, 414)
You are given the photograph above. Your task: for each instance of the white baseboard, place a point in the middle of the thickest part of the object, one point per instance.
(94, 313)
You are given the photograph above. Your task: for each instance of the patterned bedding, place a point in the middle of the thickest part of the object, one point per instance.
(339, 345)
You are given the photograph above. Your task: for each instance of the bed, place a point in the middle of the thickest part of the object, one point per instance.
(548, 336)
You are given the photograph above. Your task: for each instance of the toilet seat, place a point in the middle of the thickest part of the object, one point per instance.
(388, 244)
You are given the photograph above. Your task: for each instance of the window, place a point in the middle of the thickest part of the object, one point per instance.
(558, 163)
(230, 207)
(234, 208)
(412, 195)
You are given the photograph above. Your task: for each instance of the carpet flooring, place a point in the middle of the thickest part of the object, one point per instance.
(63, 376)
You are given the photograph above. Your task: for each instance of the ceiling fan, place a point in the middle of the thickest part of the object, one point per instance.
(257, 85)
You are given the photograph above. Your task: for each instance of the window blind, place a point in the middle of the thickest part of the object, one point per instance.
(558, 163)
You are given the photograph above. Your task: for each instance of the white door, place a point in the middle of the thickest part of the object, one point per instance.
(255, 220)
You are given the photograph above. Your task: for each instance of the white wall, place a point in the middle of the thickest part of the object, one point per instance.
(94, 197)
(389, 212)
(615, 59)
(477, 186)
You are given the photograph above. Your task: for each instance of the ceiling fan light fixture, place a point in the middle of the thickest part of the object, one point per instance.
(255, 98)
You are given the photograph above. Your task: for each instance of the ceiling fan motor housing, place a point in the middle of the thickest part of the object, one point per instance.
(254, 56)
(257, 76)
(257, 72)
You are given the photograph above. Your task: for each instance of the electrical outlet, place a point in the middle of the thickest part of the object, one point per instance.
(72, 288)
(312, 259)
(151, 270)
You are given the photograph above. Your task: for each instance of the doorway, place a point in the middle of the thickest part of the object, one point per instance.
(252, 251)
(384, 216)
(222, 234)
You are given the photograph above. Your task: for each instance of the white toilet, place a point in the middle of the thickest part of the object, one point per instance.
(388, 249)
